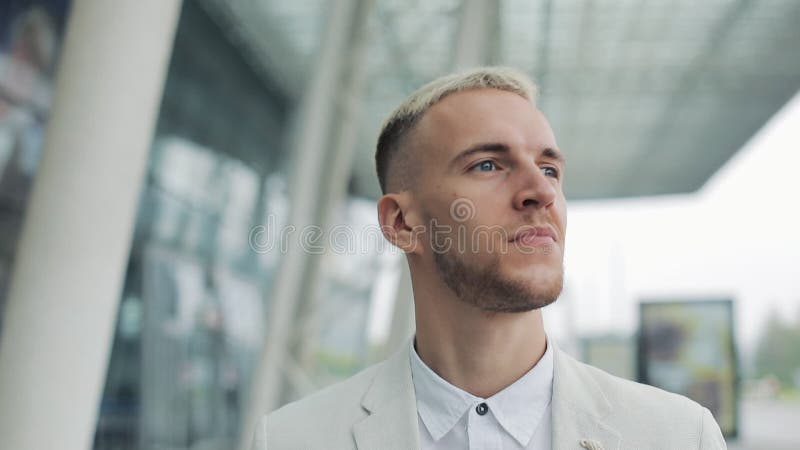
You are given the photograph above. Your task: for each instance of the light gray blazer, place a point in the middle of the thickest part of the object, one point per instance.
(592, 410)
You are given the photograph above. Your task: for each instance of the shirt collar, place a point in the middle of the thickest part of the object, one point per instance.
(518, 408)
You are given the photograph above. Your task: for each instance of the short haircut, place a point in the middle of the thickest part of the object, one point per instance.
(401, 122)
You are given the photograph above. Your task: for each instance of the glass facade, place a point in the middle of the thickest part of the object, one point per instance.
(191, 317)
(359, 274)
(30, 41)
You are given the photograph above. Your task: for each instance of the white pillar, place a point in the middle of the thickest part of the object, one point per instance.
(477, 33)
(345, 127)
(76, 238)
(403, 323)
(316, 117)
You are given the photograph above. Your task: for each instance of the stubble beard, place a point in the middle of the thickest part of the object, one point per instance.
(487, 289)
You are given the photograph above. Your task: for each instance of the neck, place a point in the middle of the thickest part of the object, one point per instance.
(480, 352)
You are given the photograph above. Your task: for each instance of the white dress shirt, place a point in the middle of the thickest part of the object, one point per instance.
(518, 417)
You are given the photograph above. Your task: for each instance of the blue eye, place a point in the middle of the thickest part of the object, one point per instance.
(485, 166)
(550, 172)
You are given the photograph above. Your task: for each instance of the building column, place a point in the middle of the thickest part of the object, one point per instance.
(403, 323)
(76, 238)
(333, 196)
(476, 40)
(310, 186)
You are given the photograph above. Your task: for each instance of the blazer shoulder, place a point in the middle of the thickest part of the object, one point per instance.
(626, 393)
(651, 416)
(321, 419)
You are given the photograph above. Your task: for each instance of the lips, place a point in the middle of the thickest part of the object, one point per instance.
(535, 236)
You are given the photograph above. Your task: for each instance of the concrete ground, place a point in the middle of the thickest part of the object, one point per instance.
(768, 425)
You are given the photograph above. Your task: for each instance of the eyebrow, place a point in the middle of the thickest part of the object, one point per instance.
(497, 147)
(554, 154)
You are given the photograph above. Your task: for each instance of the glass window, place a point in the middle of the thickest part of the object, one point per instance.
(192, 315)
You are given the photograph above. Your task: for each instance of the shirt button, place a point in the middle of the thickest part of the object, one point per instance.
(482, 409)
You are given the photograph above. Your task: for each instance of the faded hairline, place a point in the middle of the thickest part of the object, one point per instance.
(401, 121)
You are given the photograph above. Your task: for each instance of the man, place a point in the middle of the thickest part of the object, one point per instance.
(472, 180)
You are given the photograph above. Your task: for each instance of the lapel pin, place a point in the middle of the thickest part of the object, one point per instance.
(589, 444)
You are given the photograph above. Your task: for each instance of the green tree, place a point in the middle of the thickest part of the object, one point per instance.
(778, 350)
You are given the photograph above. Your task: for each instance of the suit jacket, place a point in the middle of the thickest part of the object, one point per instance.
(592, 410)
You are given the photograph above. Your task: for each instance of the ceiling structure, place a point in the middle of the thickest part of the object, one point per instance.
(645, 97)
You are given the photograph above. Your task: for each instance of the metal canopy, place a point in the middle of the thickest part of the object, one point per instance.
(653, 97)
(645, 97)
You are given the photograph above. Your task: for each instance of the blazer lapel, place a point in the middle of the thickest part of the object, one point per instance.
(391, 405)
(579, 406)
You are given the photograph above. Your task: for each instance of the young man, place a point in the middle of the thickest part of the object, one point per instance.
(472, 180)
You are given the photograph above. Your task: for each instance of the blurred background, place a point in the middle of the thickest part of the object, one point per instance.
(188, 234)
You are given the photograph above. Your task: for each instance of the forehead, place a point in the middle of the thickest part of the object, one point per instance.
(482, 115)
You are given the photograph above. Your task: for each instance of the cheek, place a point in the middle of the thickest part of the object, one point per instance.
(561, 211)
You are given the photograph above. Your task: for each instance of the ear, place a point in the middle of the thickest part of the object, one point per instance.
(396, 224)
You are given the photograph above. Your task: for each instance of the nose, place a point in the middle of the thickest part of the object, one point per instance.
(535, 189)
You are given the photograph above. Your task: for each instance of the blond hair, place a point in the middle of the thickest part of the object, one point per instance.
(402, 120)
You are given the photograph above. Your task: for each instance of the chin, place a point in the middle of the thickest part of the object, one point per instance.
(524, 298)
(538, 274)
(528, 290)
(543, 282)
(502, 284)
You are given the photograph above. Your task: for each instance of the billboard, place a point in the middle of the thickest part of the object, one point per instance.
(687, 347)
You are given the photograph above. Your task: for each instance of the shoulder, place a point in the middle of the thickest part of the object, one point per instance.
(322, 419)
(649, 417)
(339, 397)
(622, 393)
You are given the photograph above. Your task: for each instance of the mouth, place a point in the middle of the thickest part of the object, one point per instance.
(534, 236)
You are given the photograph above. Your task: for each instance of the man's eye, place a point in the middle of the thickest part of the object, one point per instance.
(550, 172)
(485, 166)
